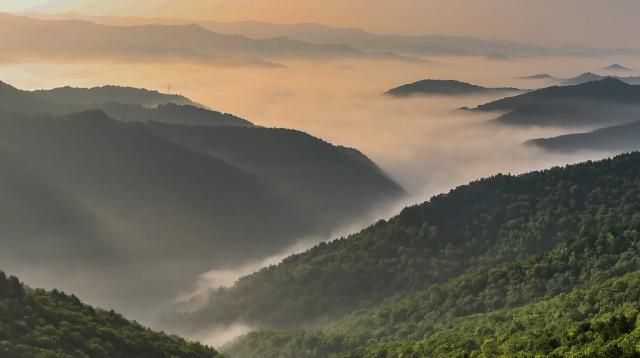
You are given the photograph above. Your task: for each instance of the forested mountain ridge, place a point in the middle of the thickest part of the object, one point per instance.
(127, 104)
(37, 323)
(599, 320)
(496, 243)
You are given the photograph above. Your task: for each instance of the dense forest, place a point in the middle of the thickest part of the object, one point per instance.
(38, 323)
(496, 244)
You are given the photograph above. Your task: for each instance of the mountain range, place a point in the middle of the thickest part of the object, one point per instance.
(33, 39)
(413, 46)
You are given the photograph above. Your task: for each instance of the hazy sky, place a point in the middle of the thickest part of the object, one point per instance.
(587, 22)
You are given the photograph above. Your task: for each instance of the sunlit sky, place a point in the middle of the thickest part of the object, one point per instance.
(586, 22)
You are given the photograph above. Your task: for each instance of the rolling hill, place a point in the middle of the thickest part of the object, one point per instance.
(534, 263)
(614, 139)
(38, 323)
(445, 88)
(122, 103)
(598, 103)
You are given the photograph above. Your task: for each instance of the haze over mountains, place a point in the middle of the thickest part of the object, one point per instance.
(86, 190)
(418, 46)
(74, 40)
(236, 210)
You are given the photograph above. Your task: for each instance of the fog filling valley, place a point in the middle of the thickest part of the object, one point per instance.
(425, 144)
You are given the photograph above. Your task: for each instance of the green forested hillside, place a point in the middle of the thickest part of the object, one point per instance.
(37, 323)
(600, 320)
(88, 191)
(498, 243)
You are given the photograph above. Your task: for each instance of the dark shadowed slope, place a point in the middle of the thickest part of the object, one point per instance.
(449, 267)
(135, 200)
(589, 77)
(37, 323)
(333, 184)
(165, 203)
(444, 88)
(620, 138)
(493, 221)
(599, 103)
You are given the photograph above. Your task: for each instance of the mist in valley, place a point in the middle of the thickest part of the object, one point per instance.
(424, 143)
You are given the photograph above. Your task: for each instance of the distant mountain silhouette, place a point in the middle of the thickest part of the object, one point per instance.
(616, 139)
(605, 102)
(444, 87)
(590, 77)
(618, 68)
(496, 56)
(421, 45)
(30, 39)
(541, 76)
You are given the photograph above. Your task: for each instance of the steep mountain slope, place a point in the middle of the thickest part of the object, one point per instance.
(620, 138)
(599, 103)
(444, 88)
(37, 323)
(499, 243)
